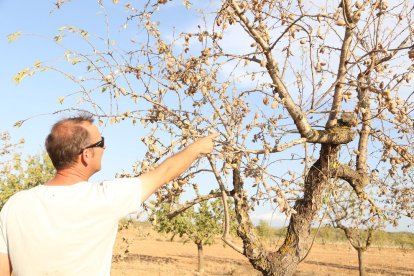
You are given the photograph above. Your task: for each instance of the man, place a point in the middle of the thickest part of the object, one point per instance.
(68, 225)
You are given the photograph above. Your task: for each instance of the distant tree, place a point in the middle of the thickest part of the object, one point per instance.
(7, 146)
(264, 229)
(360, 239)
(200, 224)
(17, 174)
(353, 216)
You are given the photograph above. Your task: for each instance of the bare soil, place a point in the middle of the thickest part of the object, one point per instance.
(140, 251)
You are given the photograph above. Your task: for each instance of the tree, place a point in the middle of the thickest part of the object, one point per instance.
(201, 226)
(7, 146)
(360, 241)
(353, 216)
(265, 230)
(301, 93)
(17, 175)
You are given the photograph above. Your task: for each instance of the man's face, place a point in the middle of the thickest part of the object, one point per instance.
(95, 157)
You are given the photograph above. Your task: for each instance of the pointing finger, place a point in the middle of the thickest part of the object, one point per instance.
(213, 135)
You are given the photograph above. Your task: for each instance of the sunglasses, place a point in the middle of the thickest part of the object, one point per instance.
(99, 144)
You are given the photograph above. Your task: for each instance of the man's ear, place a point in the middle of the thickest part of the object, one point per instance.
(85, 157)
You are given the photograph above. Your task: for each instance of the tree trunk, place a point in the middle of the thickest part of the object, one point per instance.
(361, 262)
(200, 256)
(298, 239)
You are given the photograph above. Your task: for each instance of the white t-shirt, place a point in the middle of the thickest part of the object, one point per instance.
(66, 230)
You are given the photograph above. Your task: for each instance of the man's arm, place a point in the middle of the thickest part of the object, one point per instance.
(5, 267)
(175, 165)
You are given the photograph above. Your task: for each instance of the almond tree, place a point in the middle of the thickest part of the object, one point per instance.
(18, 173)
(360, 241)
(200, 224)
(354, 217)
(7, 147)
(301, 93)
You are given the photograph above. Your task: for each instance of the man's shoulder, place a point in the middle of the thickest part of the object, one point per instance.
(15, 200)
(120, 180)
(21, 195)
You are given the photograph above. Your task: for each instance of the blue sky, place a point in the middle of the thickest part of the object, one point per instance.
(39, 94)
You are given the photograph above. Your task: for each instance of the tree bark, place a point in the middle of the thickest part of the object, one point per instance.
(298, 240)
(361, 262)
(200, 256)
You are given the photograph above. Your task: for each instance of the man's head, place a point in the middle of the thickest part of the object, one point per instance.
(73, 140)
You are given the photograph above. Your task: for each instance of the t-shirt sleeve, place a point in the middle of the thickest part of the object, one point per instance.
(3, 231)
(125, 195)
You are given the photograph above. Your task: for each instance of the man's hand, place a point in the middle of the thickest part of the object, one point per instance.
(206, 144)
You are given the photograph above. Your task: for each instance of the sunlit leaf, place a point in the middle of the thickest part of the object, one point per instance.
(61, 99)
(72, 29)
(21, 75)
(18, 124)
(70, 59)
(74, 61)
(37, 64)
(13, 37)
(67, 56)
(84, 34)
(58, 38)
(187, 4)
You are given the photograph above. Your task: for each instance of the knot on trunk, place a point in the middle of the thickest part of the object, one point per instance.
(336, 136)
(357, 179)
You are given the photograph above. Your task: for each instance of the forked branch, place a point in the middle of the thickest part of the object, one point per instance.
(226, 230)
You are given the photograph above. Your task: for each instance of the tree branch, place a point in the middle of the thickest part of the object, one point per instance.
(189, 204)
(364, 105)
(226, 230)
(333, 136)
(337, 98)
(271, 65)
(232, 245)
(278, 148)
(357, 180)
(402, 151)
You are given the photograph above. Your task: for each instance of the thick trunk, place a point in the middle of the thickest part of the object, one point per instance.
(361, 262)
(200, 257)
(298, 239)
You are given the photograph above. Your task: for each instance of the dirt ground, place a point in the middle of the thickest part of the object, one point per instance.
(153, 254)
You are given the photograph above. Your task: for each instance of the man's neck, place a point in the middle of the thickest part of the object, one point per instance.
(67, 177)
